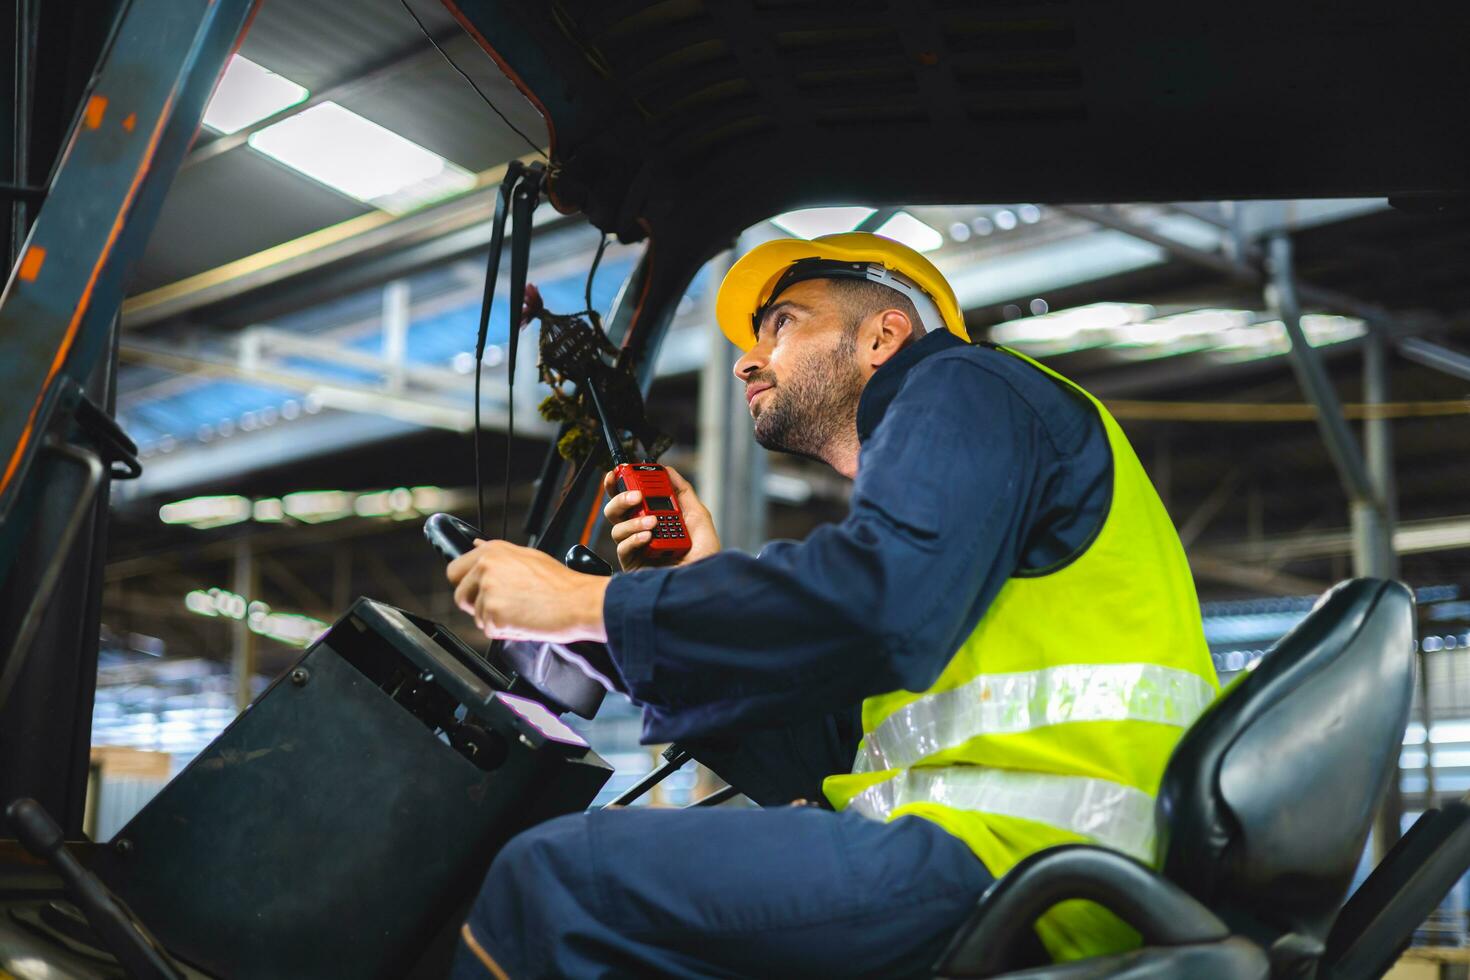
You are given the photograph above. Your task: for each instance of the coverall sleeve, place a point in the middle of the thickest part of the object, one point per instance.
(941, 506)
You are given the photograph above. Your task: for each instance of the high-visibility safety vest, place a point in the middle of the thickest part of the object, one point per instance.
(1053, 721)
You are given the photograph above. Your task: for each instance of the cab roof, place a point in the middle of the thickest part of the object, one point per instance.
(719, 113)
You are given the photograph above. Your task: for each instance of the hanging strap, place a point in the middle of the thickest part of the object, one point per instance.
(526, 196)
(513, 174)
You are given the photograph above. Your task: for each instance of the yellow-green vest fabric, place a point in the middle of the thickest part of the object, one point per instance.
(1053, 721)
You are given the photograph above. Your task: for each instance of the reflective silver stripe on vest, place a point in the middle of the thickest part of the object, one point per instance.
(999, 704)
(1114, 815)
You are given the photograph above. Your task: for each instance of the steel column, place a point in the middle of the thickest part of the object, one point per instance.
(1374, 554)
(395, 333)
(246, 585)
(1376, 541)
(1341, 446)
(20, 120)
(732, 467)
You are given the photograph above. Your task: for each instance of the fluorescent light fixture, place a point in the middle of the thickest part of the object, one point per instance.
(206, 512)
(1136, 332)
(248, 93)
(427, 500)
(1068, 330)
(215, 602)
(905, 228)
(290, 628)
(318, 506)
(293, 629)
(1179, 333)
(811, 222)
(397, 502)
(361, 159)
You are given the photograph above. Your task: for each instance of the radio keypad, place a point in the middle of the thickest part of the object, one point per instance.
(669, 526)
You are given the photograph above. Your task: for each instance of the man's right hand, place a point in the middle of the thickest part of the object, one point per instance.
(632, 534)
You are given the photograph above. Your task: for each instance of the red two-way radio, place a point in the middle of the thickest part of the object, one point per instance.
(670, 537)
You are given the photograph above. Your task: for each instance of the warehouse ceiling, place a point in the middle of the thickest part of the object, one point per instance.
(367, 56)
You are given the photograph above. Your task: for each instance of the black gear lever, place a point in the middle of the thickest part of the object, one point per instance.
(452, 537)
(137, 952)
(572, 677)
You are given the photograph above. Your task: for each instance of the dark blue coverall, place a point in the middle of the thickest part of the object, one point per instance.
(975, 466)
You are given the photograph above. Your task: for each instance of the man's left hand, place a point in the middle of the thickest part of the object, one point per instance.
(517, 593)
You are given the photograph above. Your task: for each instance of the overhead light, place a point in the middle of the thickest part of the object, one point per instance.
(1068, 330)
(290, 628)
(318, 506)
(905, 228)
(1195, 330)
(206, 512)
(248, 93)
(293, 629)
(216, 602)
(1136, 332)
(398, 502)
(811, 222)
(361, 159)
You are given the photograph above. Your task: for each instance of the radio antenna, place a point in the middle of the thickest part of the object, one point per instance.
(614, 447)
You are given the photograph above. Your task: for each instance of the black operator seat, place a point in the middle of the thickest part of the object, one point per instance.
(1262, 815)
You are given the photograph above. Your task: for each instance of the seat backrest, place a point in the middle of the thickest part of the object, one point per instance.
(1268, 799)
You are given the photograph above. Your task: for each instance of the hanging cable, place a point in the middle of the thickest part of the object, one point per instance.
(592, 272)
(503, 118)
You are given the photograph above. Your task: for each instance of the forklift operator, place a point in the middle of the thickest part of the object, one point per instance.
(1005, 616)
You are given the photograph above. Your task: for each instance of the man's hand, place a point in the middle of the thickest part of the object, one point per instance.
(517, 593)
(632, 535)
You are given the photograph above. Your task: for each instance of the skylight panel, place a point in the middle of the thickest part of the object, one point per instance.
(908, 230)
(811, 222)
(361, 159)
(249, 93)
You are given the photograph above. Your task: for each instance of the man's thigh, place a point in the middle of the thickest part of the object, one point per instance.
(728, 892)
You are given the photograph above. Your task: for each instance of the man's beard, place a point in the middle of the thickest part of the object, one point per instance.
(815, 406)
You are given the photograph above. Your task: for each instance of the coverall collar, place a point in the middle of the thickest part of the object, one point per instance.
(885, 382)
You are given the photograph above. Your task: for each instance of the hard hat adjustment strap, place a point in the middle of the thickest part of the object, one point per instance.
(818, 268)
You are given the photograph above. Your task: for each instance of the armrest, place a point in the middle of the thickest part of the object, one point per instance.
(1163, 913)
(1379, 920)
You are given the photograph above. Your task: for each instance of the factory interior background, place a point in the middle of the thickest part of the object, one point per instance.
(296, 366)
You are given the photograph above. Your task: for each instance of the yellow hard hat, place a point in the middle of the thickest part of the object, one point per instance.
(749, 284)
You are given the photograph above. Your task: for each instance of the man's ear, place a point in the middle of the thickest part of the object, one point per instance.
(891, 332)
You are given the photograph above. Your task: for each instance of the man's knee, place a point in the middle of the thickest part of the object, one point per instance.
(527, 897)
(529, 877)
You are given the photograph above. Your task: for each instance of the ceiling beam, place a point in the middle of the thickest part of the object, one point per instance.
(1253, 577)
(1410, 537)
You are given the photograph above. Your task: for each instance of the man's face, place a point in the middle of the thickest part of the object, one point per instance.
(802, 378)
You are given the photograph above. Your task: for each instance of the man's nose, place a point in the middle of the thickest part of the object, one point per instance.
(749, 363)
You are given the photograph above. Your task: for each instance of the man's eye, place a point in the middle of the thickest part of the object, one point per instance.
(780, 321)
